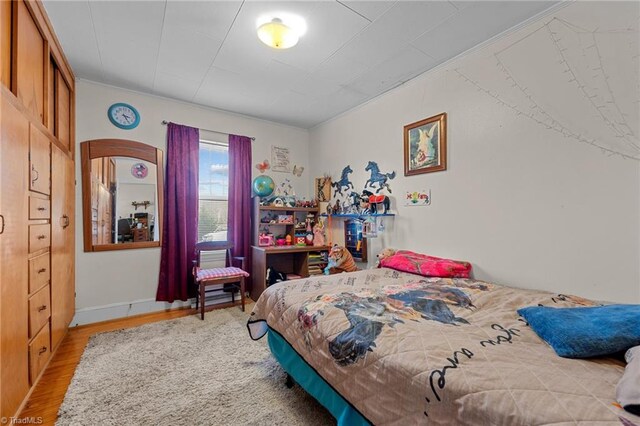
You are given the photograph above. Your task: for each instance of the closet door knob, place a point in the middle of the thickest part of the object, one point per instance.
(42, 308)
(37, 175)
(2, 228)
(42, 271)
(66, 221)
(42, 350)
(42, 237)
(41, 209)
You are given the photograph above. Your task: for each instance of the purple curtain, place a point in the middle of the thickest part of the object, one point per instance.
(239, 232)
(180, 214)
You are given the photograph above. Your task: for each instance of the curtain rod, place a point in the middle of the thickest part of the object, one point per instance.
(165, 122)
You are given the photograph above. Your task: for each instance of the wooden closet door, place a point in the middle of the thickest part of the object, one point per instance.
(14, 175)
(5, 43)
(29, 71)
(62, 244)
(63, 111)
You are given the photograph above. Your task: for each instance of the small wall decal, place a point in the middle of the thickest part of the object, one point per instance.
(417, 198)
(264, 166)
(297, 170)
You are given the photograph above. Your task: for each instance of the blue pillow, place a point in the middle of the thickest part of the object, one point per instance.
(586, 332)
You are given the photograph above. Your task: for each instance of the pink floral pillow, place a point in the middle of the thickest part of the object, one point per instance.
(428, 266)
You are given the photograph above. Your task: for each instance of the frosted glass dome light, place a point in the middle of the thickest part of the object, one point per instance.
(277, 35)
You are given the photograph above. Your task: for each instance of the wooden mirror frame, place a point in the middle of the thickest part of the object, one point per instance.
(99, 148)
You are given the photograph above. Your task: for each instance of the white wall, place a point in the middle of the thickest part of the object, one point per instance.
(526, 198)
(120, 283)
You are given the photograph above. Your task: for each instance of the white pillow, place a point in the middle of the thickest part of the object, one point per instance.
(628, 391)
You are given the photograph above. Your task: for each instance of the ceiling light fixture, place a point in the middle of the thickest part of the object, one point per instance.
(278, 35)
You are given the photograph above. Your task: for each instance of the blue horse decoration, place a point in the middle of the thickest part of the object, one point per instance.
(378, 178)
(344, 181)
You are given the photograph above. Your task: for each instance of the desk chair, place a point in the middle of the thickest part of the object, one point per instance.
(124, 230)
(230, 278)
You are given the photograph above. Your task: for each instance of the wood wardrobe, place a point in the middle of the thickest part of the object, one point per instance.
(37, 198)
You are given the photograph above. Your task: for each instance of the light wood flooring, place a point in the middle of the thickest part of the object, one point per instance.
(49, 392)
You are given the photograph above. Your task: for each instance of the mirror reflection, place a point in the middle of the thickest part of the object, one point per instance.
(124, 198)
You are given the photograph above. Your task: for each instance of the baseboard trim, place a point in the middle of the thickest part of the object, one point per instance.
(113, 311)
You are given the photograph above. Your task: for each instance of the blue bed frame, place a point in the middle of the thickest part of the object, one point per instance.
(307, 377)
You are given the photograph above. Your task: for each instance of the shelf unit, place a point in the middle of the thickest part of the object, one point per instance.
(354, 241)
(300, 260)
(357, 215)
(299, 215)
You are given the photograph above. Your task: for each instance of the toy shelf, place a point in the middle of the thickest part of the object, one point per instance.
(289, 209)
(354, 215)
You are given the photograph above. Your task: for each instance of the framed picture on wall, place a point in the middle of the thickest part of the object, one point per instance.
(425, 145)
(280, 159)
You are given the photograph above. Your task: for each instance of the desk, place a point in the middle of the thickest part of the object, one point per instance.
(287, 259)
(140, 234)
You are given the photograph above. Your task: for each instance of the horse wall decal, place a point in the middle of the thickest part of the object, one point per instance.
(344, 181)
(378, 178)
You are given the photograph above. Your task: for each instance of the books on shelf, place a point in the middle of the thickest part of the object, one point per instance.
(315, 270)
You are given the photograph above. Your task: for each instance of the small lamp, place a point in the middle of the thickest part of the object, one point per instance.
(277, 35)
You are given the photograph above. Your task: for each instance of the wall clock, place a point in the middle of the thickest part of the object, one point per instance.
(124, 116)
(139, 170)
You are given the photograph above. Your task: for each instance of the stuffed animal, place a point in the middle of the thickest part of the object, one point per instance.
(340, 260)
(274, 276)
(388, 252)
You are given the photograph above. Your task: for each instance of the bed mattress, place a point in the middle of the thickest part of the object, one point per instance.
(405, 349)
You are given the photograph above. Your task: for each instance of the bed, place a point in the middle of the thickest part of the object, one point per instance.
(386, 347)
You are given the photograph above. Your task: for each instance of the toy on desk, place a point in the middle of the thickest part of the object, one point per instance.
(301, 240)
(285, 218)
(307, 203)
(376, 201)
(318, 234)
(387, 252)
(309, 231)
(288, 239)
(265, 240)
(340, 260)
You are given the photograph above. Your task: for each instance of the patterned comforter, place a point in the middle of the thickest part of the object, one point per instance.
(404, 349)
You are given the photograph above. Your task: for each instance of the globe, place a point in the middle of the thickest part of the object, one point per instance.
(263, 186)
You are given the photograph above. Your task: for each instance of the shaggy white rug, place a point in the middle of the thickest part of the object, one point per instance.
(185, 372)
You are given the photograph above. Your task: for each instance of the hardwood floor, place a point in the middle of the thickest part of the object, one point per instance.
(49, 392)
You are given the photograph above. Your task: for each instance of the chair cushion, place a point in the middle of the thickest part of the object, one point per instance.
(205, 274)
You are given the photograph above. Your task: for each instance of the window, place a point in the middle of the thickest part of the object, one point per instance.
(213, 191)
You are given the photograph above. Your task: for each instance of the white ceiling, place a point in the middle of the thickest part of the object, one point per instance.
(207, 52)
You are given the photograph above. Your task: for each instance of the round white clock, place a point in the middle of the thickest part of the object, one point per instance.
(124, 116)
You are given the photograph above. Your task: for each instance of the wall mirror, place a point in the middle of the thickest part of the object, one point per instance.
(122, 194)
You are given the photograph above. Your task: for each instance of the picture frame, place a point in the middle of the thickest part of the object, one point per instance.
(425, 145)
(323, 188)
(280, 159)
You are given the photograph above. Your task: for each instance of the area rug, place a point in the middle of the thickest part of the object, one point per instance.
(185, 372)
